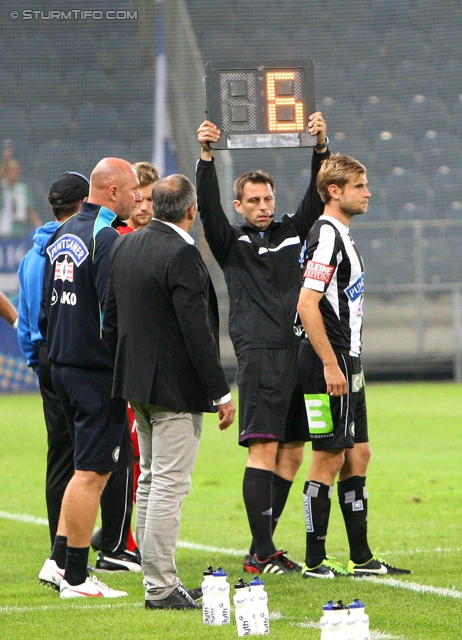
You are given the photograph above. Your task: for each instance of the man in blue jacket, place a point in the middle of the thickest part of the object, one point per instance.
(66, 195)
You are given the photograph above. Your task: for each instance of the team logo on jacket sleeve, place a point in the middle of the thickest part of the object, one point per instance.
(318, 271)
(68, 245)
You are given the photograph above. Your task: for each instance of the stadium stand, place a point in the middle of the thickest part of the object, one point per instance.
(388, 80)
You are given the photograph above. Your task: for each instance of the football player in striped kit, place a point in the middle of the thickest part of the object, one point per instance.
(331, 310)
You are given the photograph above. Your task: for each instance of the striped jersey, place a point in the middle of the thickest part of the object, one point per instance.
(335, 268)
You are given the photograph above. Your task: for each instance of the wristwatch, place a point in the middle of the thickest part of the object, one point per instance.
(321, 146)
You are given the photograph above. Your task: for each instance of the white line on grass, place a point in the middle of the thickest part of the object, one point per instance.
(56, 607)
(414, 586)
(204, 547)
(23, 517)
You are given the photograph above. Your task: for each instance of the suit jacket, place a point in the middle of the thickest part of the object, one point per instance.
(161, 322)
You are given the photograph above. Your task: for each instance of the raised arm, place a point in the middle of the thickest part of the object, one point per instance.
(311, 206)
(217, 229)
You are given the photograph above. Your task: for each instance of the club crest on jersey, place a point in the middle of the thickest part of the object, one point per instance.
(64, 270)
(68, 245)
(355, 290)
(318, 271)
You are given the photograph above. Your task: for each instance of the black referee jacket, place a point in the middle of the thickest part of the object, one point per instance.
(263, 274)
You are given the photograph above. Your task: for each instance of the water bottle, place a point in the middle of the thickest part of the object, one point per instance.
(219, 598)
(359, 621)
(208, 578)
(243, 610)
(260, 604)
(326, 620)
(334, 621)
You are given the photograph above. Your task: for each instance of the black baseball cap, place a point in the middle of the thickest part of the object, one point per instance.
(68, 188)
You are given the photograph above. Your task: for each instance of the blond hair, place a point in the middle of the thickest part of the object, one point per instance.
(337, 170)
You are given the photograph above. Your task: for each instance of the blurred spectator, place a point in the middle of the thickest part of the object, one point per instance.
(16, 211)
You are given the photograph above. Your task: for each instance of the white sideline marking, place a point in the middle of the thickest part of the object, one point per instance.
(414, 586)
(402, 552)
(23, 517)
(56, 607)
(204, 547)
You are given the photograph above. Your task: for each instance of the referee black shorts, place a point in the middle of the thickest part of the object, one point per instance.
(96, 420)
(271, 404)
(334, 422)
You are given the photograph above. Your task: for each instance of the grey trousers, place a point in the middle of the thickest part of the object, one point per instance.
(169, 442)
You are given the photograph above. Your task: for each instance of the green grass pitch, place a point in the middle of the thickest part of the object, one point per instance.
(415, 521)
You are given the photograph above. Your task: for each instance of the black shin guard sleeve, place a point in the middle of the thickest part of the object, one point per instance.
(317, 501)
(352, 497)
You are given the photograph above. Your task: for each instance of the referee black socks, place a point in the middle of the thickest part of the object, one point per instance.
(280, 492)
(257, 490)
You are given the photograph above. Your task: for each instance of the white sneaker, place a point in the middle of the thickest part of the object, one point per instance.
(51, 575)
(91, 587)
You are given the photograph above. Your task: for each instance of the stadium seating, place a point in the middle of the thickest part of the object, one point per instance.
(406, 187)
(446, 185)
(415, 77)
(382, 114)
(427, 113)
(392, 150)
(440, 149)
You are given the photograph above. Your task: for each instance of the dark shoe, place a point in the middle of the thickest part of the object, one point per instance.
(196, 594)
(327, 569)
(375, 567)
(125, 561)
(96, 540)
(179, 599)
(277, 563)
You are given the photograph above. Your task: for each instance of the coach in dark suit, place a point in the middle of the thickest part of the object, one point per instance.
(161, 323)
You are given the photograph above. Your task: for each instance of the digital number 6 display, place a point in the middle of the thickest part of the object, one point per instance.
(261, 104)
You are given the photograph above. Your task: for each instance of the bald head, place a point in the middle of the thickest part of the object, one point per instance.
(114, 184)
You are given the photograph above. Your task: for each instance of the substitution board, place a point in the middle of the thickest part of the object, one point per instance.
(261, 104)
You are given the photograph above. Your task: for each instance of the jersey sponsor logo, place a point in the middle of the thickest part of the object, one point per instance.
(68, 245)
(68, 298)
(355, 290)
(64, 271)
(318, 271)
(54, 297)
